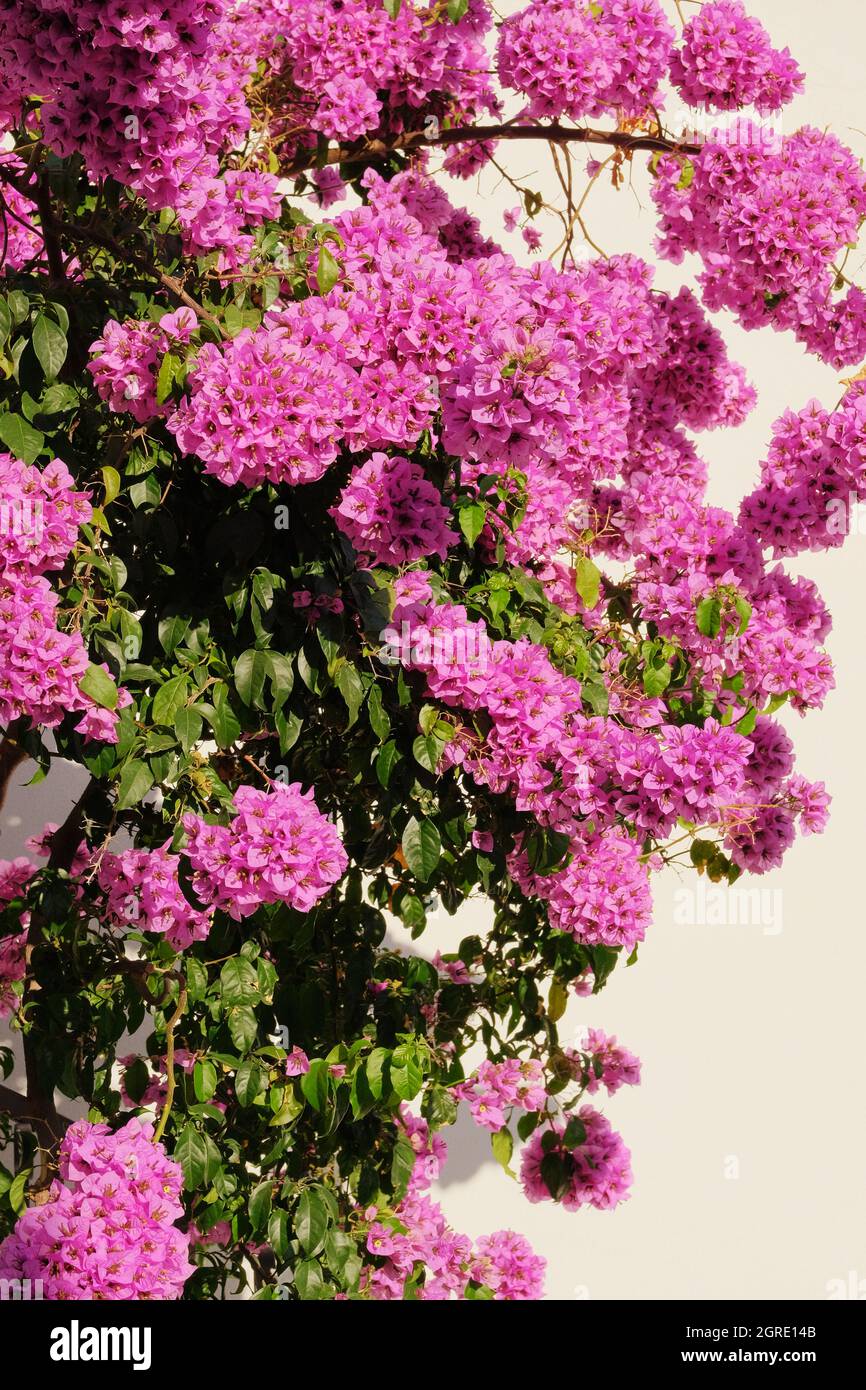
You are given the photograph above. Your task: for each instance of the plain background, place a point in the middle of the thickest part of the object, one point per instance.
(748, 1134)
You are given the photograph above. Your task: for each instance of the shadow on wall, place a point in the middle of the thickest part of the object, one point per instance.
(468, 1151)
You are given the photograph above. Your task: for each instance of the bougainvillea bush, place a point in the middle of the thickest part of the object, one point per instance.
(360, 565)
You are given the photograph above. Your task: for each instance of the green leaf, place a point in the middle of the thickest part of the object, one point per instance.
(422, 847)
(308, 1280)
(251, 669)
(243, 1027)
(99, 686)
(145, 493)
(374, 1071)
(136, 780)
(278, 1233)
(687, 175)
(171, 631)
(19, 305)
(744, 613)
(557, 1001)
(199, 1157)
(21, 439)
(527, 1124)
(312, 1221)
(747, 724)
(575, 1133)
(266, 976)
(389, 756)
(17, 1191)
(775, 702)
(288, 727)
(427, 750)
(226, 726)
(196, 978)
(248, 1082)
(392, 7)
(379, 721)
(406, 1075)
(587, 581)
(166, 376)
(547, 850)
(169, 699)
(111, 483)
(412, 914)
(502, 1144)
(402, 1165)
(315, 1084)
(239, 982)
(457, 9)
(188, 727)
(351, 687)
(282, 678)
(709, 616)
(204, 1079)
(656, 679)
(58, 400)
(554, 1175)
(49, 344)
(260, 1204)
(472, 519)
(327, 271)
(340, 1252)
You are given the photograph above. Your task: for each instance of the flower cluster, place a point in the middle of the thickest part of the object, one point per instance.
(813, 477)
(602, 897)
(278, 848)
(356, 70)
(417, 1249)
(125, 361)
(596, 1171)
(768, 226)
(261, 407)
(40, 665)
(15, 874)
(21, 241)
(583, 59)
(496, 1087)
(391, 513)
(727, 60)
(601, 1061)
(142, 892)
(694, 381)
(148, 94)
(108, 1230)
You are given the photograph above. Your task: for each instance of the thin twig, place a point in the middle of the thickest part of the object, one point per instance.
(169, 1062)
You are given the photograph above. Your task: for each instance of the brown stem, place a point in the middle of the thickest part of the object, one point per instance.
(40, 1088)
(52, 230)
(554, 134)
(169, 1064)
(169, 282)
(41, 195)
(48, 1133)
(12, 755)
